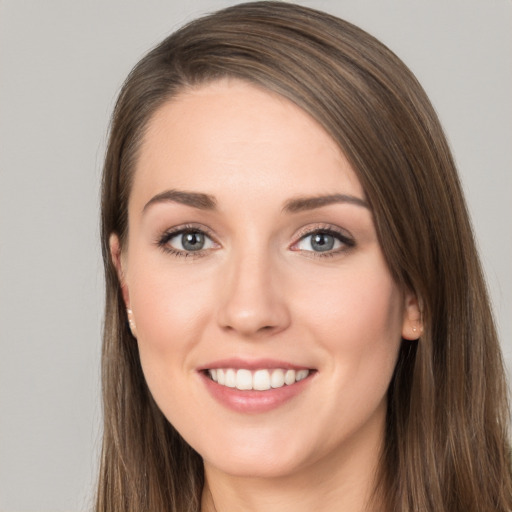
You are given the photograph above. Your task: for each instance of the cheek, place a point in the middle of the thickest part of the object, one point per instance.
(357, 317)
(163, 297)
(356, 321)
(170, 312)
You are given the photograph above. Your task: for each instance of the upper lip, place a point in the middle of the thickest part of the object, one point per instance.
(253, 364)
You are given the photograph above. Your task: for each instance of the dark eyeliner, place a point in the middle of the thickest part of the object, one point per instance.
(344, 239)
(169, 234)
(347, 241)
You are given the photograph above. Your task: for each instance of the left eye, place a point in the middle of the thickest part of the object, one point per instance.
(190, 241)
(320, 241)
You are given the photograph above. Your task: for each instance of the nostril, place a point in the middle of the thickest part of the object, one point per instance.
(250, 304)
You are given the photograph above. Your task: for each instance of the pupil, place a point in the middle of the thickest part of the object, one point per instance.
(322, 242)
(192, 241)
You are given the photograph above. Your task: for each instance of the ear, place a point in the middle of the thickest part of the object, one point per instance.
(117, 260)
(412, 326)
(116, 255)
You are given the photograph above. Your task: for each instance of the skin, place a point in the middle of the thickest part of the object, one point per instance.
(258, 290)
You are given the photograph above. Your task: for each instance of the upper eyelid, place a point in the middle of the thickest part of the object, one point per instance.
(299, 235)
(184, 228)
(163, 239)
(320, 228)
(344, 237)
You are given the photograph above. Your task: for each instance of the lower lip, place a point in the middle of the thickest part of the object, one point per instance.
(252, 401)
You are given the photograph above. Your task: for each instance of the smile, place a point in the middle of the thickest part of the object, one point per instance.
(258, 380)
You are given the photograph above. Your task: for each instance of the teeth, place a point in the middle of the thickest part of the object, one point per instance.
(260, 380)
(277, 379)
(243, 379)
(289, 377)
(230, 378)
(301, 375)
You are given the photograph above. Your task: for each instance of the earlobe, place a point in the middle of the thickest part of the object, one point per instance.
(117, 261)
(412, 327)
(115, 254)
(131, 322)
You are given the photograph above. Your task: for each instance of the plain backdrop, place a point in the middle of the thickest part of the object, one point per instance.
(61, 64)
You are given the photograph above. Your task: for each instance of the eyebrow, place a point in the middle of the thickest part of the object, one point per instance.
(194, 199)
(207, 202)
(300, 204)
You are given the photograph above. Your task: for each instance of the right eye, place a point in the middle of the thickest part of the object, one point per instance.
(186, 241)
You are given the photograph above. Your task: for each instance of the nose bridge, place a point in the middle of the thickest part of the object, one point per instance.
(253, 302)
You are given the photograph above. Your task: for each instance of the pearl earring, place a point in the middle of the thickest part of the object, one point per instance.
(130, 320)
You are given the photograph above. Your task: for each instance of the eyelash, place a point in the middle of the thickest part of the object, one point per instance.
(346, 241)
(163, 241)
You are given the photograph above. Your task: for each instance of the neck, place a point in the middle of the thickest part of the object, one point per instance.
(345, 480)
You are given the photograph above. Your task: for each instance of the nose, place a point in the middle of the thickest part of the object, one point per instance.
(253, 301)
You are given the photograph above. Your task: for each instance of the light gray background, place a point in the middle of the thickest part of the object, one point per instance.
(61, 65)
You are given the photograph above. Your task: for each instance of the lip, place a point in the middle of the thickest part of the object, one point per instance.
(252, 364)
(254, 402)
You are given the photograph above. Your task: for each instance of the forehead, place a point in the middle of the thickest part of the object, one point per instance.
(233, 136)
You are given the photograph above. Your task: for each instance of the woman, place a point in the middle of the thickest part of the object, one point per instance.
(295, 312)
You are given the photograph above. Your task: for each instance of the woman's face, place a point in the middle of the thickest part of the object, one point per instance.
(266, 318)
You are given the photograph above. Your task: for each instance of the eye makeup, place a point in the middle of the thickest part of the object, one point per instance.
(193, 240)
(325, 240)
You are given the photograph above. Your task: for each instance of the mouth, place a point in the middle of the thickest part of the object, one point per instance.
(256, 380)
(255, 386)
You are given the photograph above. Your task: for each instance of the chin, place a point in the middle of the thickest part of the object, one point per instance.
(247, 455)
(264, 467)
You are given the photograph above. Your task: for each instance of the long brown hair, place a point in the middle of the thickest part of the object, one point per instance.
(446, 446)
